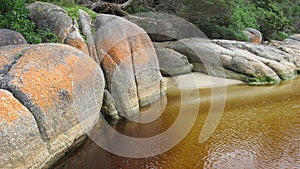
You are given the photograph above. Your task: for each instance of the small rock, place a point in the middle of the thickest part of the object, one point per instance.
(172, 63)
(10, 37)
(254, 36)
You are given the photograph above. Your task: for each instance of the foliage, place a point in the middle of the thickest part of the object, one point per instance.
(72, 7)
(227, 19)
(15, 16)
(222, 19)
(142, 6)
(271, 19)
(47, 36)
(73, 11)
(61, 2)
(262, 81)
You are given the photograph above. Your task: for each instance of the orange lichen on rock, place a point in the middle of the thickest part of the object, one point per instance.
(62, 89)
(142, 50)
(44, 86)
(255, 38)
(10, 108)
(120, 52)
(131, 69)
(8, 57)
(108, 63)
(78, 43)
(44, 74)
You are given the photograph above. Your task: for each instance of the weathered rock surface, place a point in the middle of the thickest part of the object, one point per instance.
(254, 36)
(85, 24)
(292, 48)
(172, 63)
(163, 27)
(108, 107)
(129, 62)
(56, 19)
(238, 60)
(281, 63)
(56, 84)
(295, 37)
(21, 144)
(9, 56)
(10, 37)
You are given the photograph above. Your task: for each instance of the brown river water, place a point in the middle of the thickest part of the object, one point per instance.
(259, 128)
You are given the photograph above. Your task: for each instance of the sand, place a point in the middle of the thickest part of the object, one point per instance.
(198, 80)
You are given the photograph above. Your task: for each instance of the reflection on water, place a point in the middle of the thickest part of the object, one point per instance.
(260, 128)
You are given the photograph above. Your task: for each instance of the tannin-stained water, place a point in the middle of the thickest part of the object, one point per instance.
(259, 128)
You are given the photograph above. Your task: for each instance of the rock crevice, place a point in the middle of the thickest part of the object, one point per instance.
(49, 80)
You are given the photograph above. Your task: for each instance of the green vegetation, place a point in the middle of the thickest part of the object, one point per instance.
(12, 18)
(226, 19)
(262, 81)
(15, 16)
(218, 19)
(275, 19)
(72, 8)
(73, 11)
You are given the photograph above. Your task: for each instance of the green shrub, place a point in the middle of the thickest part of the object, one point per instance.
(61, 2)
(14, 15)
(228, 18)
(271, 20)
(73, 11)
(47, 36)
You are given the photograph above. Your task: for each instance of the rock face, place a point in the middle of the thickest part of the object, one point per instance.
(10, 37)
(252, 63)
(85, 24)
(108, 108)
(295, 37)
(54, 18)
(291, 49)
(172, 63)
(21, 144)
(56, 84)
(271, 60)
(163, 27)
(254, 36)
(129, 62)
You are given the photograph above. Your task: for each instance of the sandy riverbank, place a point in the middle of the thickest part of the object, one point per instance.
(196, 80)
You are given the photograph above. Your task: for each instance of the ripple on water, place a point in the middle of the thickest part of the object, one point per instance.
(260, 128)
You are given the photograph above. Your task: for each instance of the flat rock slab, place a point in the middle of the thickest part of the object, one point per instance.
(252, 63)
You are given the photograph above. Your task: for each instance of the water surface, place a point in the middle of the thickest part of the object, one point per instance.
(259, 128)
